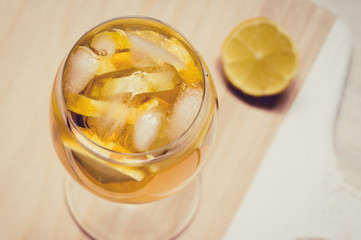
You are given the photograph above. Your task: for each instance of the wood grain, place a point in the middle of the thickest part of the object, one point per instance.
(36, 35)
(256, 121)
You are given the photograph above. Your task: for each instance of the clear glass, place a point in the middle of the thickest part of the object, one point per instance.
(166, 190)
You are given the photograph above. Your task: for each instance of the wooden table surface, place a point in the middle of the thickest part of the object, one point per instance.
(36, 35)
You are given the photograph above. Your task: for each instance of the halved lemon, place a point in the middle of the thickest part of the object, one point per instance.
(259, 58)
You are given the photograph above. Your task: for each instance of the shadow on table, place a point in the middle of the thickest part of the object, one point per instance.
(268, 102)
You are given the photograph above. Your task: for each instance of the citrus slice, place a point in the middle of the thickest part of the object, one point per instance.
(116, 62)
(102, 170)
(111, 125)
(97, 108)
(259, 58)
(189, 71)
(106, 65)
(122, 60)
(192, 76)
(105, 143)
(138, 81)
(85, 106)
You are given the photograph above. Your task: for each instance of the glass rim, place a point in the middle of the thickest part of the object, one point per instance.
(154, 152)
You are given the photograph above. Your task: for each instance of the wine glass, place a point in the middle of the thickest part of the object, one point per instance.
(142, 191)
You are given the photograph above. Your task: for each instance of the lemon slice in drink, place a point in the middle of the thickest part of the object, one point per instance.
(85, 106)
(173, 49)
(115, 62)
(122, 60)
(96, 108)
(138, 81)
(98, 168)
(102, 170)
(192, 76)
(190, 73)
(106, 65)
(259, 58)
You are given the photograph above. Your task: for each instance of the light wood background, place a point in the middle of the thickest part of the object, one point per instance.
(36, 35)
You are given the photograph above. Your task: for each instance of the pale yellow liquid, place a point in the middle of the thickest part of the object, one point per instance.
(145, 182)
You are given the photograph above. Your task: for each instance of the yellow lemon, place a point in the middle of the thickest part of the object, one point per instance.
(259, 58)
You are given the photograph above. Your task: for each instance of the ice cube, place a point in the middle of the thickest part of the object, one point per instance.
(127, 84)
(101, 124)
(184, 111)
(163, 78)
(160, 79)
(104, 44)
(146, 129)
(81, 68)
(153, 50)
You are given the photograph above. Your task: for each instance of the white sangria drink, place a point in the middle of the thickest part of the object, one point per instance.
(133, 111)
